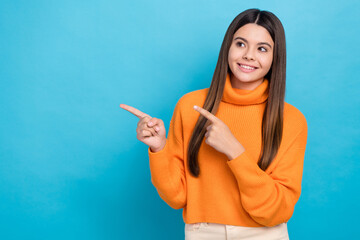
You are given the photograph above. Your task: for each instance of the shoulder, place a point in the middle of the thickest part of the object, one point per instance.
(294, 119)
(196, 97)
(184, 108)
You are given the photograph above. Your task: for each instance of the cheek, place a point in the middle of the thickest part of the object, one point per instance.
(266, 62)
(234, 54)
(231, 56)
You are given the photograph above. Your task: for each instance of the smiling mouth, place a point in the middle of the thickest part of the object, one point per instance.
(247, 66)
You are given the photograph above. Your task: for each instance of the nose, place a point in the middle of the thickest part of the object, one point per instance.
(248, 55)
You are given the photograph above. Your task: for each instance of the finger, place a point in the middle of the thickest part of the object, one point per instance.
(147, 132)
(152, 130)
(143, 120)
(152, 126)
(144, 134)
(134, 111)
(206, 134)
(154, 121)
(206, 113)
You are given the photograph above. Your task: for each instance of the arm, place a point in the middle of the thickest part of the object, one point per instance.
(270, 198)
(167, 165)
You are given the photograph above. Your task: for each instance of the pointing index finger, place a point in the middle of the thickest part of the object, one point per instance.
(206, 113)
(134, 111)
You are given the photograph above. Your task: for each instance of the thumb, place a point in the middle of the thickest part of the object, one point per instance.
(155, 122)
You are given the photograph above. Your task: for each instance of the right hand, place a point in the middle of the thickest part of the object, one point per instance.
(152, 135)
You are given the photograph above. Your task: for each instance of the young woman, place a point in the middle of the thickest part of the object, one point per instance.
(233, 158)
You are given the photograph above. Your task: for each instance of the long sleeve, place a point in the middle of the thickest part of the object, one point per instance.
(270, 198)
(167, 165)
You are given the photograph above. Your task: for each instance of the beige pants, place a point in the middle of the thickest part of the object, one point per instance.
(208, 231)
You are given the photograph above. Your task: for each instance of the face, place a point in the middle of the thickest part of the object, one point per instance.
(250, 56)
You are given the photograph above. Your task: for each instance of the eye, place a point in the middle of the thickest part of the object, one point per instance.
(262, 49)
(239, 44)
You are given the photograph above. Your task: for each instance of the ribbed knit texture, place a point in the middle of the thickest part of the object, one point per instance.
(233, 192)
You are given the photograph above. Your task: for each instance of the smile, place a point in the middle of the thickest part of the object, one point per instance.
(246, 68)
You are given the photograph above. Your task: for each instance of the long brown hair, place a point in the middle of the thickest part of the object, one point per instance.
(272, 121)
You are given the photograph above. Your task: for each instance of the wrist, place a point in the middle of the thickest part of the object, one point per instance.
(154, 150)
(236, 152)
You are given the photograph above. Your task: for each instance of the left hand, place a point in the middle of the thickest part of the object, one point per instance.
(219, 136)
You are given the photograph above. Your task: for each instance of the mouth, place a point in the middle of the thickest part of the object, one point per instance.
(246, 68)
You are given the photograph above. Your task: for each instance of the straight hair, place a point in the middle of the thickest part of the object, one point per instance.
(272, 120)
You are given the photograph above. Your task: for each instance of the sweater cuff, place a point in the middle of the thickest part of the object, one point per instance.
(158, 161)
(156, 154)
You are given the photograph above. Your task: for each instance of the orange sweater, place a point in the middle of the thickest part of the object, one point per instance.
(237, 191)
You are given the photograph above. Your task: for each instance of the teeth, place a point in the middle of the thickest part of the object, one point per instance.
(247, 67)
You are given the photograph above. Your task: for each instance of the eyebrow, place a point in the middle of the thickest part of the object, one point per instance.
(260, 43)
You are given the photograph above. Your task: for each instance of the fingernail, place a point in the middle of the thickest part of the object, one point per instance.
(157, 128)
(195, 107)
(150, 123)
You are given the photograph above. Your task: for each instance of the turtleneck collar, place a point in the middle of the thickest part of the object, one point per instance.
(243, 96)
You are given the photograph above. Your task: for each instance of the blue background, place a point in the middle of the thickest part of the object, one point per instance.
(71, 166)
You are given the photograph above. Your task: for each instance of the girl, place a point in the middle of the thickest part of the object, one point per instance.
(235, 164)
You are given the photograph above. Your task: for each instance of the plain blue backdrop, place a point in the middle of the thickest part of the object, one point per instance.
(71, 166)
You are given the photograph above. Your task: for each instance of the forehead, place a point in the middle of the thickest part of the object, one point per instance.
(254, 33)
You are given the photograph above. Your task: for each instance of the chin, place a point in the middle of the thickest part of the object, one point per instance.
(246, 79)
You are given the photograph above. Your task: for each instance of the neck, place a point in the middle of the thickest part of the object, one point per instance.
(238, 96)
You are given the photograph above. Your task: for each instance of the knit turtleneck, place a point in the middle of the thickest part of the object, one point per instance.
(243, 96)
(237, 191)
